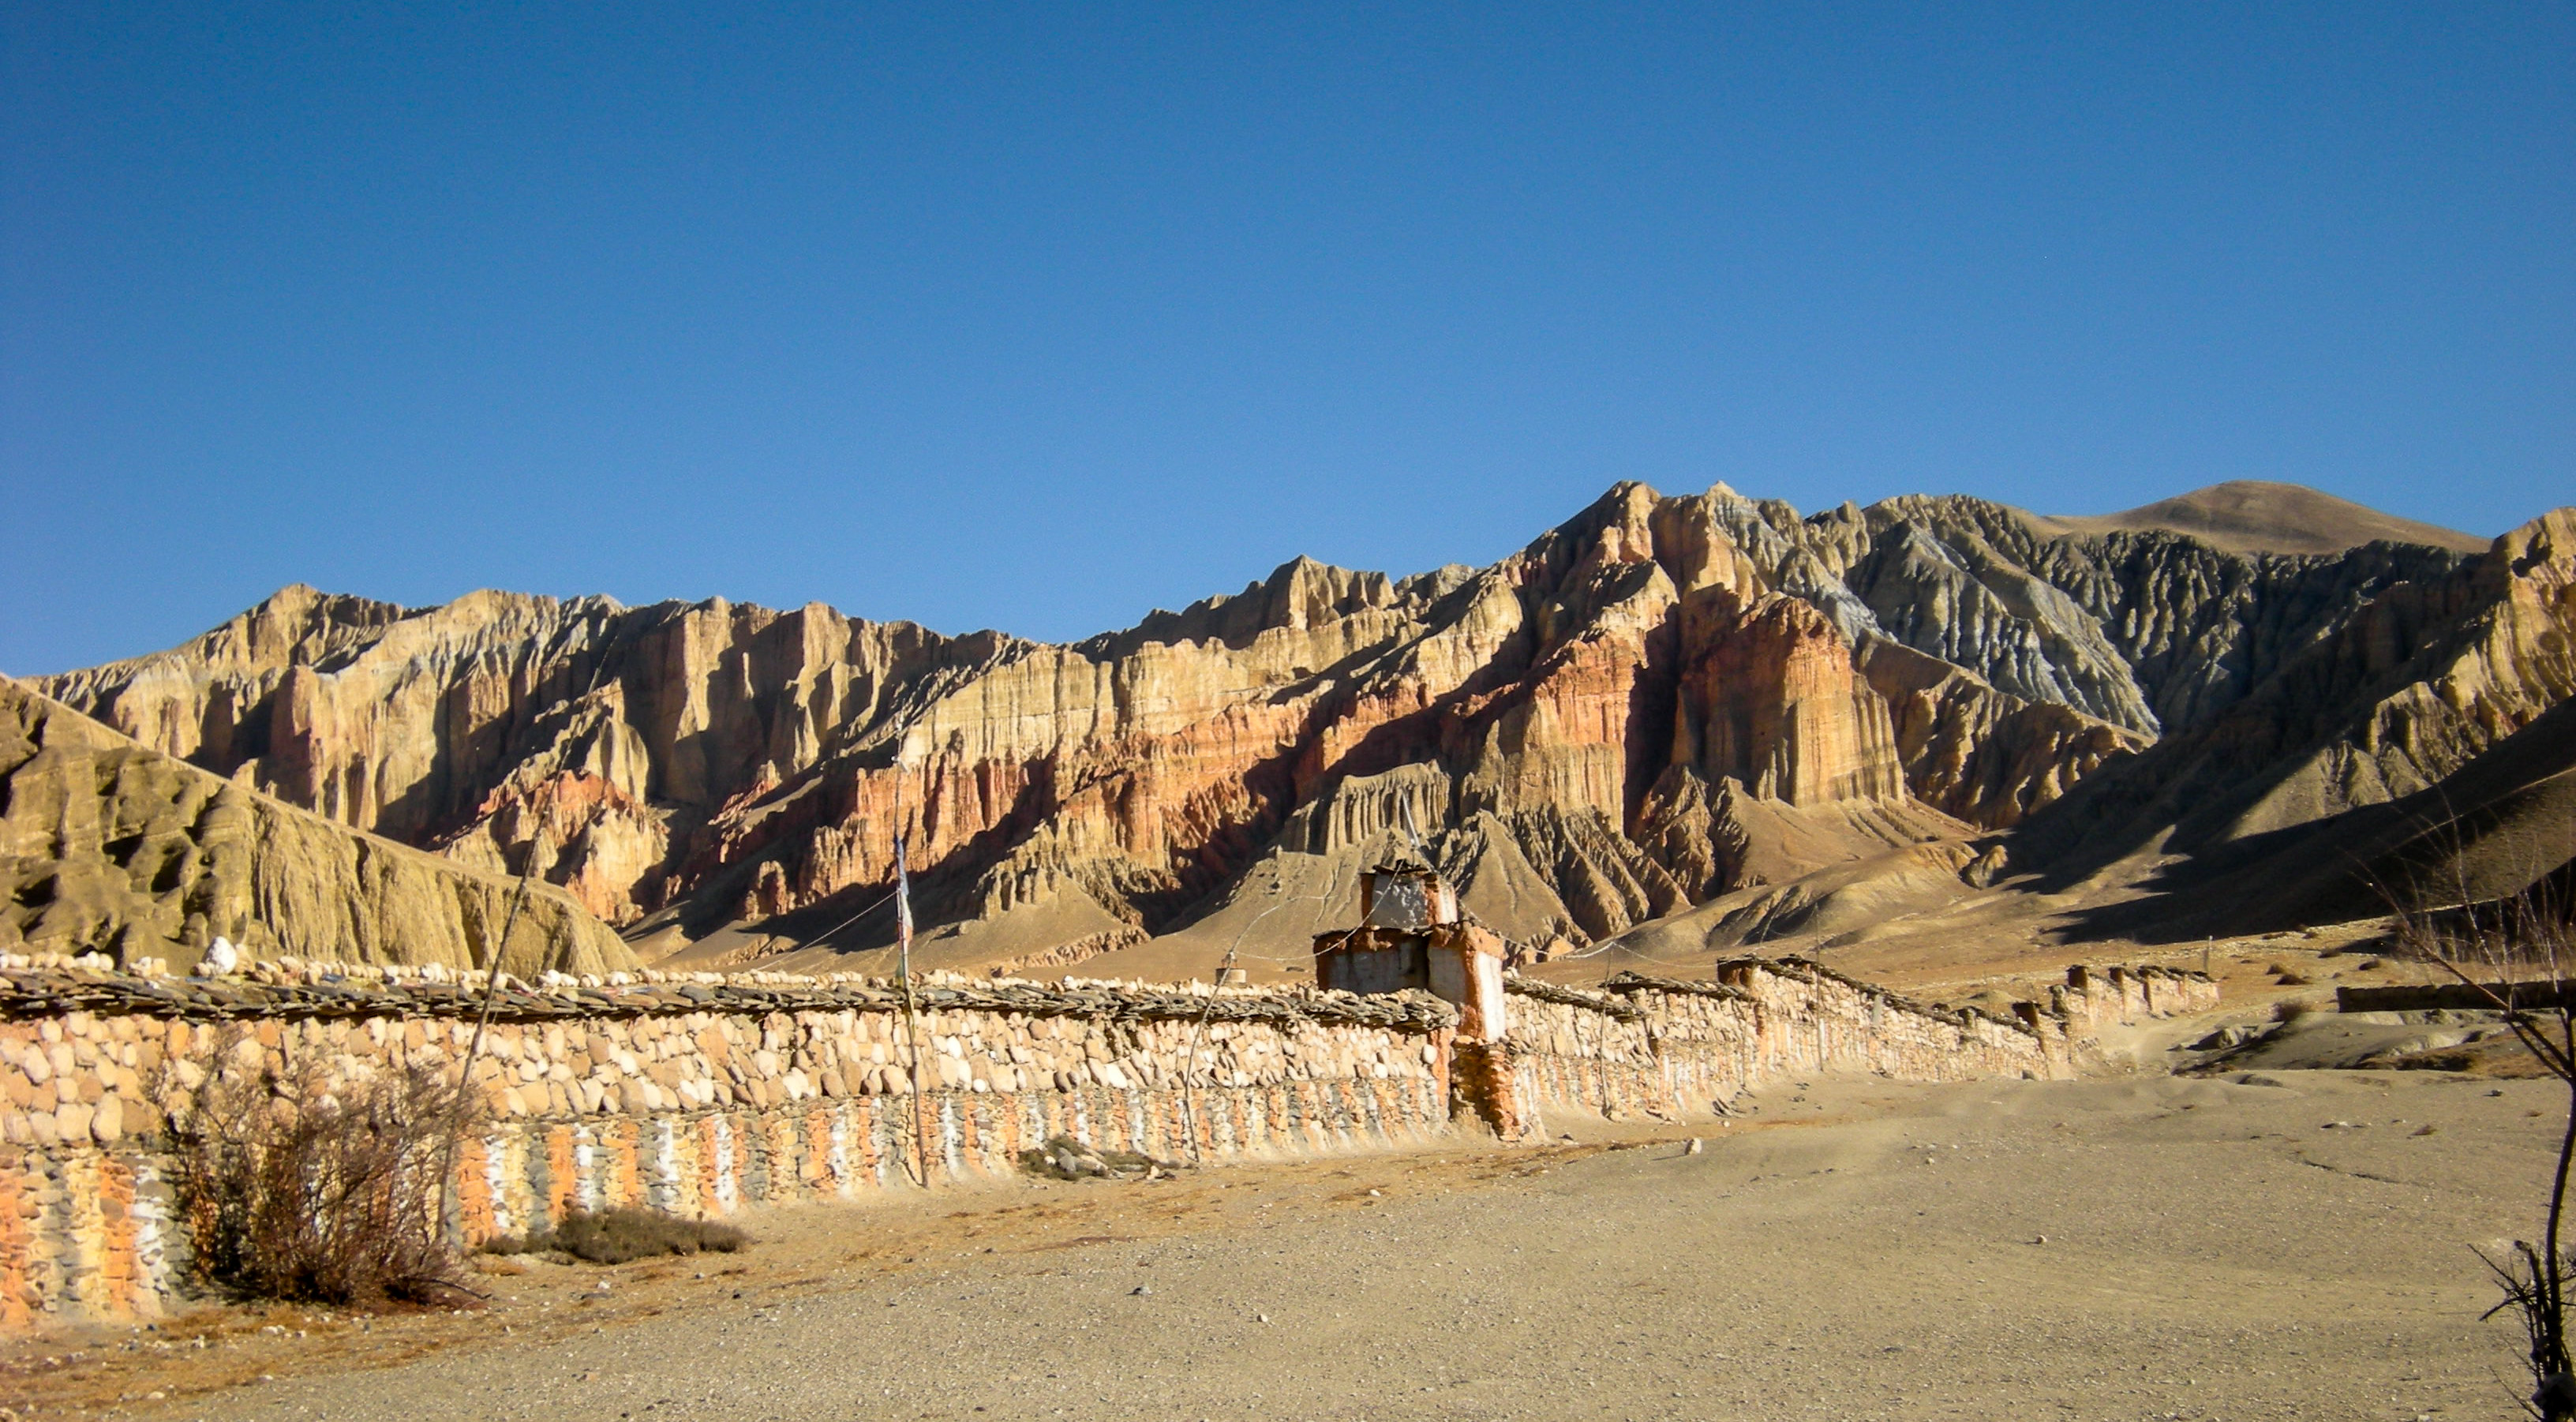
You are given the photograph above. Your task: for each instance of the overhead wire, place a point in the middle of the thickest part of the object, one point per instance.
(844, 923)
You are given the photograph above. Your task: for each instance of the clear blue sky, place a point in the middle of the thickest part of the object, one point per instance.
(1037, 317)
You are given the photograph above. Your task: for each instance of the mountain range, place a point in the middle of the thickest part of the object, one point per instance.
(1667, 728)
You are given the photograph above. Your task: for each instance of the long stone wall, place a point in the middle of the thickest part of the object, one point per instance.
(695, 1095)
(700, 1094)
(2093, 997)
(1643, 1046)
(1648, 1045)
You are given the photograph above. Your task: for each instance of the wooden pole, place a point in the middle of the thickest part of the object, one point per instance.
(911, 1008)
(474, 1049)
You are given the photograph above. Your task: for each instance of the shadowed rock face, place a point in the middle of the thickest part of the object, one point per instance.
(2145, 630)
(2394, 700)
(1663, 700)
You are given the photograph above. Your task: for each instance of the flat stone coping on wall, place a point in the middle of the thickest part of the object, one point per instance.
(1610, 999)
(40, 988)
(50, 985)
(1809, 968)
(1813, 971)
(1590, 999)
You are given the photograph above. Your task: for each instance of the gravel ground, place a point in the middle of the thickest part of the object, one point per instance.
(2146, 1247)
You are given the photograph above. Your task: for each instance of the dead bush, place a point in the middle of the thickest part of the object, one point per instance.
(2292, 1010)
(296, 1190)
(2517, 951)
(623, 1235)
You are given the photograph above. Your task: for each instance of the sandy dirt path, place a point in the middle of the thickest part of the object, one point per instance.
(1856, 1250)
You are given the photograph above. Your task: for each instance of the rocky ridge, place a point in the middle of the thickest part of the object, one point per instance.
(2417, 720)
(1662, 701)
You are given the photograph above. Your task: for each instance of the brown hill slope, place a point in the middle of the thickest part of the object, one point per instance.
(108, 846)
(2255, 516)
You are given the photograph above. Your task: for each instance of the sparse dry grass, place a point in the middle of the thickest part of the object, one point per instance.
(624, 1235)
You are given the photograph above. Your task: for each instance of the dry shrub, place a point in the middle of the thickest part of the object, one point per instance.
(623, 1235)
(2505, 1060)
(2292, 1011)
(2517, 952)
(295, 1190)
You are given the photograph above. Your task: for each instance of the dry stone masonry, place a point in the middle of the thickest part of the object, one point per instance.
(699, 1094)
(694, 1094)
(1657, 1046)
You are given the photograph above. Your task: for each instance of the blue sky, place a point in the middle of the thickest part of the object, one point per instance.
(1036, 317)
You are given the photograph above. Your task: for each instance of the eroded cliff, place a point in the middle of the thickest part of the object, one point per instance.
(1662, 701)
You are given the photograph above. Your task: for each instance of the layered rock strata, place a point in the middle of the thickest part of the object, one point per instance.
(1663, 700)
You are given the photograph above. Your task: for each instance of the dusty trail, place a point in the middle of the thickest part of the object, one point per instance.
(1859, 1250)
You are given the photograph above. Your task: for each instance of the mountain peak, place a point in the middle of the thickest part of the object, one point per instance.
(2259, 516)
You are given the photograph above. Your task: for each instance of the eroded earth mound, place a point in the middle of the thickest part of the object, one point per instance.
(109, 846)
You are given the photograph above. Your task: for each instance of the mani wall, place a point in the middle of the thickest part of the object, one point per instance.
(1651, 1045)
(699, 1094)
